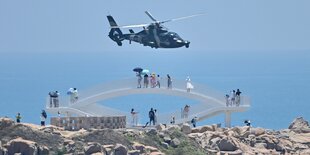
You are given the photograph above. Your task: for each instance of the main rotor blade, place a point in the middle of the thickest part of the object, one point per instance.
(181, 18)
(130, 26)
(149, 14)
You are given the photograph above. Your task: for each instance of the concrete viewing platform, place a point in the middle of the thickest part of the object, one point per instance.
(211, 102)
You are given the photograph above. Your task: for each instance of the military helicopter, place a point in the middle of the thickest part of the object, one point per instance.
(154, 34)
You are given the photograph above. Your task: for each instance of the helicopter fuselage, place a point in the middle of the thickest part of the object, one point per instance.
(157, 38)
(154, 35)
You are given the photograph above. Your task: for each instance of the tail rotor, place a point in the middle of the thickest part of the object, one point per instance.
(115, 33)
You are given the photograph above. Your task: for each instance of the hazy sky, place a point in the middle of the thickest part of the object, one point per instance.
(81, 26)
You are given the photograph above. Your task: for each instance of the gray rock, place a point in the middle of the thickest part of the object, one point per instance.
(134, 152)
(167, 139)
(261, 145)
(22, 146)
(6, 122)
(251, 136)
(237, 152)
(165, 145)
(93, 148)
(258, 131)
(175, 142)
(152, 132)
(186, 128)
(120, 149)
(206, 128)
(43, 150)
(1, 149)
(161, 134)
(215, 140)
(139, 147)
(245, 134)
(227, 144)
(160, 127)
(173, 128)
(196, 130)
(299, 123)
(215, 126)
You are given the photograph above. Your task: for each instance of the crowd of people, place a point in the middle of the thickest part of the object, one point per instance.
(154, 81)
(234, 98)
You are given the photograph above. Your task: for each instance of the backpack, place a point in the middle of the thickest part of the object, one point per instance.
(151, 114)
(44, 114)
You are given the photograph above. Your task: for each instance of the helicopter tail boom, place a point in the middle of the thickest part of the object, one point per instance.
(115, 33)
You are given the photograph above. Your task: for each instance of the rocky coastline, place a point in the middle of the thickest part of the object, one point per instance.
(23, 138)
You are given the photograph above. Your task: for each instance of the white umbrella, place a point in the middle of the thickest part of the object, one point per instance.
(145, 71)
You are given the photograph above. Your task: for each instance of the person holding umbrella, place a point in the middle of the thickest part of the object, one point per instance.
(138, 71)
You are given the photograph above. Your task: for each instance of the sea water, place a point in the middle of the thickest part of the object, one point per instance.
(278, 83)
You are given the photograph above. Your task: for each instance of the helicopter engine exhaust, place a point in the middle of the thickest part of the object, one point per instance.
(115, 33)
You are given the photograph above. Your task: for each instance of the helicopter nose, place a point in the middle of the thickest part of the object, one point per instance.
(187, 44)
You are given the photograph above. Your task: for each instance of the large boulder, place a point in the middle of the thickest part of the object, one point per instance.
(186, 128)
(206, 128)
(139, 147)
(299, 123)
(3, 151)
(152, 132)
(150, 149)
(167, 139)
(160, 127)
(108, 149)
(173, 127)
(93, 148)
(134, 152)
(196, 130)
(6, 122)
(227, 144)
(165, 145)
(120, 149)
(22, 146)
(241, 131)
(175, 142)
(258, 131)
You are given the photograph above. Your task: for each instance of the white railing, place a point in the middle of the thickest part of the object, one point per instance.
(88, 97)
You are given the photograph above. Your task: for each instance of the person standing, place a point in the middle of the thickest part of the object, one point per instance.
(189, 85)
(238, 97)
(52, 98)
(158, 81)
(43, 117)
(139, 79)
(193, 121)
(75, 95)
(227, 100)
(186, 111)
(233, 97)
(152, 116)
(155, 116)
(153, 80)
(145, 81)
(134, 116)
(56, 99)
(18, 118)
(169, 81)
(172, 120)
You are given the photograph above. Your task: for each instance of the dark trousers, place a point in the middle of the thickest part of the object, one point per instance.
(152, 119)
